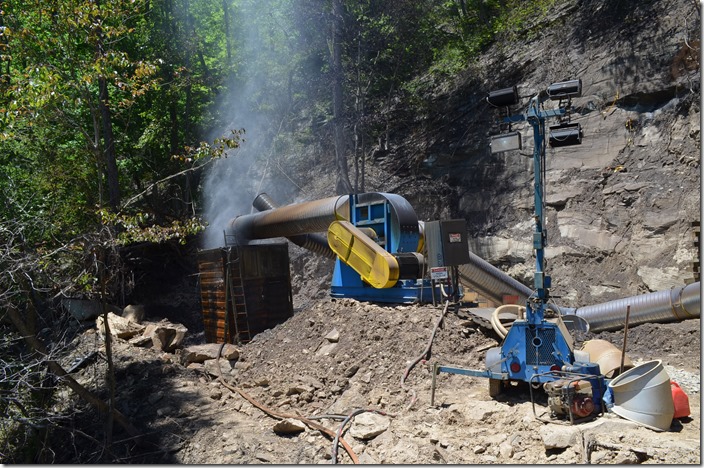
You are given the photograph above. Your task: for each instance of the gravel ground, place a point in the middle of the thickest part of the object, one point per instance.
(337, 356)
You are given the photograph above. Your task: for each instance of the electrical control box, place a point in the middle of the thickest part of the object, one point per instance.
(446, 242)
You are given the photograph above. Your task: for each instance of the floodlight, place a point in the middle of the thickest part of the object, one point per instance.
(565, 89)
(565, 135)
(506, 142)
(503, 97)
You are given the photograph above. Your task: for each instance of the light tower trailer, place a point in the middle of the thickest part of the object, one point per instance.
(537, 350)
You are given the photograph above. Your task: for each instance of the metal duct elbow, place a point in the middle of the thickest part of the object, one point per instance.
(290, 220)
(263, 202)
(670, 305)
(240, 229)
(316, 243)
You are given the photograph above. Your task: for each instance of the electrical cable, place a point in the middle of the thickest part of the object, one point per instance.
(275, 414)
(442, 290)
(346, 421)
(424, 355)
(340, 417)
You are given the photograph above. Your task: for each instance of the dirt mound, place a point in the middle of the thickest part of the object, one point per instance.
(337, 356)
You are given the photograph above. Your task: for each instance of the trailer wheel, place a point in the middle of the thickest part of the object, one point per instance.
(495, 387)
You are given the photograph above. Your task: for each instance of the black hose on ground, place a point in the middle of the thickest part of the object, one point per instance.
(354, 413)
(424, 355)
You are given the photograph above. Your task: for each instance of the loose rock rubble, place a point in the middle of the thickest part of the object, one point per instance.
(195, 419)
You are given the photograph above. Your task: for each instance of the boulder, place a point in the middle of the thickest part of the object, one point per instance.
(506, 450)
(165, 336)
(289, 426)
(333, 336)
(559, 436)
(119, 326)
(142, 341)
(211, 367)
(203, 352)
(369, 425)
(133, 313)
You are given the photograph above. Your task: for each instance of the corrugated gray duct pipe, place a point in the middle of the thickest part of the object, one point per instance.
(491, 282)
(289, 220)
(663, 306)
(670, 305)
(316, 243)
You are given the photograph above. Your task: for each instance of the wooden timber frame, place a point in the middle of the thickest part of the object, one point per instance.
(245, 289)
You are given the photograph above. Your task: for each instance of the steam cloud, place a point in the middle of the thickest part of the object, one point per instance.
(232, 183)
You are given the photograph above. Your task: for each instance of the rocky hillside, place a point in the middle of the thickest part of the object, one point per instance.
(620, 206)
(620, 209)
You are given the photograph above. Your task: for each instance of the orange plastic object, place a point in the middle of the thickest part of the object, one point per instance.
(681, 401)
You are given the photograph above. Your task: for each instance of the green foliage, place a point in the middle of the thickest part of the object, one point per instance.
(140, 227)
(464, 29)
(218, 149)
(164, 62)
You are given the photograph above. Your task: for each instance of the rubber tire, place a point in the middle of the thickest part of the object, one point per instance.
(496, 386)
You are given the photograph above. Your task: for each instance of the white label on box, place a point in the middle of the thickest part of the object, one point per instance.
(438, 273)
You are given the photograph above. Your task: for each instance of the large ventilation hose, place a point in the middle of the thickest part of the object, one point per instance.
(316, 243)
(491, 282)
(670, 305)
(290, 220)
(354, 246)
(674, 304)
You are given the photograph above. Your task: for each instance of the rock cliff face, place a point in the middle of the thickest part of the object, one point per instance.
(620, 206)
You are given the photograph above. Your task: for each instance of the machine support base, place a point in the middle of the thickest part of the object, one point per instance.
(437, 368)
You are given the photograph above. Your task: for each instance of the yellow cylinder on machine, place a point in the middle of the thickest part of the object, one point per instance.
(374, 264)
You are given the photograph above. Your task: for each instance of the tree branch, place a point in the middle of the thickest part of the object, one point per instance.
(161, 181)
(59, 371)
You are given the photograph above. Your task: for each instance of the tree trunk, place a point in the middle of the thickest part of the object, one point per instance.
(109, 148)
(228, 40)
(173, 117)
(187, 127)
(5, 55)
(110, 377)
(106, 118)
(343, 185)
